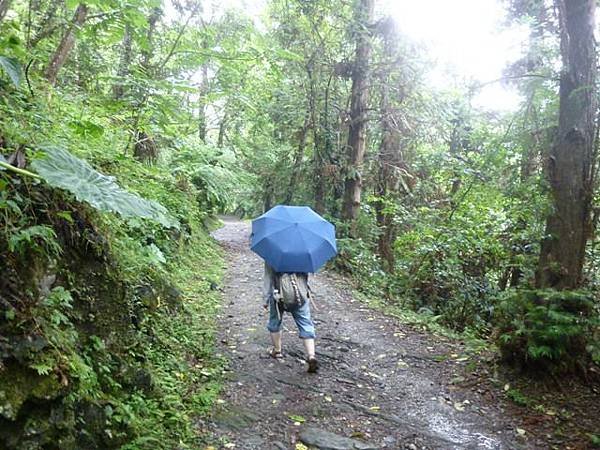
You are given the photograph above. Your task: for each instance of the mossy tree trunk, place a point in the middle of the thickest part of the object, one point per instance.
(389, 158)
(4, 7)
(124, 63)
(571, 161)
(66, 44)
(358, 111)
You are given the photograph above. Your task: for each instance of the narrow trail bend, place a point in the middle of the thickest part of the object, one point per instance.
(379, 382)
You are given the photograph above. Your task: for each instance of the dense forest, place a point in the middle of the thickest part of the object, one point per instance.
(126, 128)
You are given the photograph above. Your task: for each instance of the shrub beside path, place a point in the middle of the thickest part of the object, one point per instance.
(381, 384)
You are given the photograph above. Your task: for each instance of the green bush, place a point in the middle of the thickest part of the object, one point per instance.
(546, 329)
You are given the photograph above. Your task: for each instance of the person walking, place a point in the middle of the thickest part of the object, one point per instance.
(272, 290)
(293, 241)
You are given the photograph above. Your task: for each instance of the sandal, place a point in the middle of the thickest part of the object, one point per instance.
(275, 355)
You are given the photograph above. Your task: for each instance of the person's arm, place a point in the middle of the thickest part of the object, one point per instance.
(268, 284)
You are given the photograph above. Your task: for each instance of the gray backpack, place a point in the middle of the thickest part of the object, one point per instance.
(293, 290)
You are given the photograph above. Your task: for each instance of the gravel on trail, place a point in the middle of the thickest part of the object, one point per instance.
(381, 384)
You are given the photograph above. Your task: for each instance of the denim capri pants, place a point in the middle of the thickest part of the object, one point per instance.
(306, 327)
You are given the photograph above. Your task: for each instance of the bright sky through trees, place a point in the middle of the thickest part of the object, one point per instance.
(467, 39)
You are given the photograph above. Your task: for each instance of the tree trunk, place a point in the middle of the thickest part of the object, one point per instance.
(203, 93)
(570, 166)
(297, 162)
(320, 152)
(358, 113)
(66, 44)
(4, 7)
(223, 126)
(124, 63)
(149, 52)
(389, 158)
(268, 196)
(202, 103)
(145, 149)
(455, 147)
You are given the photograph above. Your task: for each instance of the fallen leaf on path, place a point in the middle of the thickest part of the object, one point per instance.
(459, 406)
(521, 431)
(374, 408)
(297, 419)
(329, 399)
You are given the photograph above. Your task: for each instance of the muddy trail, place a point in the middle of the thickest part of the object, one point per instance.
(381, 384)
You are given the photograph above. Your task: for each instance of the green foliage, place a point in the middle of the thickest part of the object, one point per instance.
(594, 440)
(12, 68)
(237, 118)
(40, 238)
(518, 397)
(61, 169)
(181, 359)
(213, 171)
(546, 329)
(446, 266)
(119, 309)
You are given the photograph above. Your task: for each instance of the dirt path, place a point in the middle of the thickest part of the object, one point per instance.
(380, 382)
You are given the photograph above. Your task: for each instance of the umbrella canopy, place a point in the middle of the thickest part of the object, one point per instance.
(293, 239)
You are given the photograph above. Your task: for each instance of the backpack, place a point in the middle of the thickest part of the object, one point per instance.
(293, 290)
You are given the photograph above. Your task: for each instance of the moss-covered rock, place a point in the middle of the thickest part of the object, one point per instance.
(19, 384)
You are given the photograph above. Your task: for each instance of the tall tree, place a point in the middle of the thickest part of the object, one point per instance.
(4, 6)
(389, 157)
(358, 110)
(66, 43)
(203, 89)
(124, 63)
(571, 161)
(298, 155)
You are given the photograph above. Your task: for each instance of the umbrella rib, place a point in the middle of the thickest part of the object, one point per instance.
(320, 236)
(306, 247)
(267, 235)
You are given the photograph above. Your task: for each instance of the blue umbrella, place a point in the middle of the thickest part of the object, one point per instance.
(293, 239)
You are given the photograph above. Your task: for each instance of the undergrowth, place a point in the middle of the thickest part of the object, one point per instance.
(107, 323)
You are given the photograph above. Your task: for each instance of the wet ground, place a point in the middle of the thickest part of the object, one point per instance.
(380, 382)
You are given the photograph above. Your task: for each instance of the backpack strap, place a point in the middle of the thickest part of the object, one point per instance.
(277, 281)
(311, 294)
